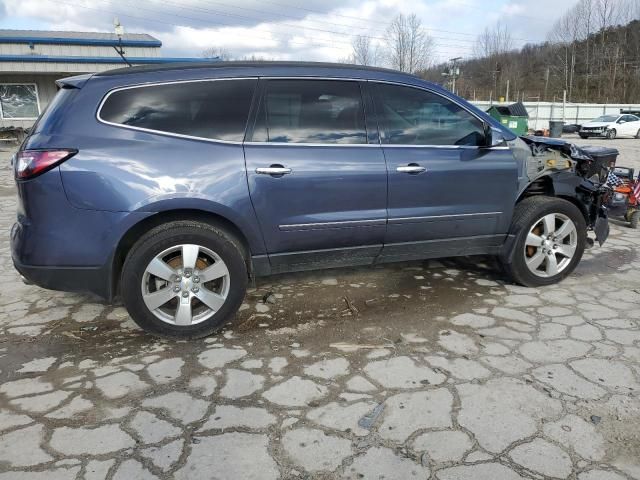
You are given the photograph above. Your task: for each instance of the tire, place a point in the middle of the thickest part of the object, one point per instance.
(611, 134)
(173, 243)
(528, 218)
(638, 134)
(634, 219)
(584, 137)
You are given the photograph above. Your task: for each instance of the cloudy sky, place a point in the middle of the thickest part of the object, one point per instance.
(286, 29)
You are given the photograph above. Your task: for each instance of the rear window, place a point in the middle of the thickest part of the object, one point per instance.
(216, 110)
(53, 111)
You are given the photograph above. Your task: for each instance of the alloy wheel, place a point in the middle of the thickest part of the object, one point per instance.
(550, 245)
(185, 284)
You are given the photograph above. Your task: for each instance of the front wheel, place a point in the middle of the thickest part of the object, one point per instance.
(184, 279)
(611, 134)
(583, 136)
(550, 236)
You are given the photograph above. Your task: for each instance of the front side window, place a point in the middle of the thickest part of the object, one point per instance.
(410, 116)
(311, 111)
(19, 101)
(215, 110)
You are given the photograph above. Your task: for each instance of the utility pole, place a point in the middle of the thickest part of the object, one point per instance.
(453, 72)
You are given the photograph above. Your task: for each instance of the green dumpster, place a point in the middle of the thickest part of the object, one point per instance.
(514, 117)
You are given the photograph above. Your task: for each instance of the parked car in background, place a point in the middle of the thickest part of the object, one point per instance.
(571, 128)
(172, 186)
(612, 126)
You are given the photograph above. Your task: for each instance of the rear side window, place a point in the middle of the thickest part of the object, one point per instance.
(410, 116)
(311, 111)
(216, 110)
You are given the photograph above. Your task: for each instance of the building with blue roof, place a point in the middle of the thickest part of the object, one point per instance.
(32, 60)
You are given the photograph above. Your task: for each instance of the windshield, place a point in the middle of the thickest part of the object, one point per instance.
(606, 118)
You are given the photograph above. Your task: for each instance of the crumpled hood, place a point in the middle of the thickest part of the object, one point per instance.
(597, 124)
(554, 142)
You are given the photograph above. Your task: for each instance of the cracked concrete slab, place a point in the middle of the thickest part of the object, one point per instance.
(448, 372)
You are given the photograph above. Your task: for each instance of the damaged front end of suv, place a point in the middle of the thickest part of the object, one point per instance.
(560, 169)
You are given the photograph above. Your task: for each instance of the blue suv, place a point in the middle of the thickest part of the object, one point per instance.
(170, 187)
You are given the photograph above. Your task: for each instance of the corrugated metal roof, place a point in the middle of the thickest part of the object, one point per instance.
(77, 38)
(80, 35)
(112, 59)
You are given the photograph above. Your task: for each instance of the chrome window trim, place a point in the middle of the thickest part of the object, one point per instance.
(449, 147)
(453, 216)
(283, 144)
(327, 145)
(161, 132)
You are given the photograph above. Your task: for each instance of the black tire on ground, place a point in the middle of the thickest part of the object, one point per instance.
(583, 136)
(164, 237)
(634, 219)
(526, 214)
(638, 134)
(611, 134)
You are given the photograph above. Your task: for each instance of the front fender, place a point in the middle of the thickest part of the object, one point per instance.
(584, 194)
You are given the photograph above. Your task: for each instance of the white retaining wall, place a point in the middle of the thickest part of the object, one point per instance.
(541, 112)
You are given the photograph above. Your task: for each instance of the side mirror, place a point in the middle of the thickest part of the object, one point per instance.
(622, 121)
(492, 137)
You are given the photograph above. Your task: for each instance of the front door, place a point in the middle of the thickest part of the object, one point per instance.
(447, 193)
(318, 187)
(631, 125)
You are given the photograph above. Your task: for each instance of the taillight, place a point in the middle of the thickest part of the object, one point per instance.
(31, 163)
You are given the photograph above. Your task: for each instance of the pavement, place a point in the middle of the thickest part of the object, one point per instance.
(431, 370)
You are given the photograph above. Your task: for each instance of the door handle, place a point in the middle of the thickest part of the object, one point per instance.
(412, 168)
(273, 170)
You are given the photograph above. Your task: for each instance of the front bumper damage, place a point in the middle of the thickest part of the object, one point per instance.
(568, 171)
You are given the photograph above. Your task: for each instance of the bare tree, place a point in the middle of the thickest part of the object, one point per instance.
(364, 51)
(216, 52)
(409, 47)
(494, 41)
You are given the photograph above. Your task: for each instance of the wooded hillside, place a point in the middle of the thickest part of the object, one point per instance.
(592, 52)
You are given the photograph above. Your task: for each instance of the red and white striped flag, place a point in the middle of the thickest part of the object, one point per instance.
(636, 191)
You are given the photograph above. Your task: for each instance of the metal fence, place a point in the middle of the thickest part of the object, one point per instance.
(541, 112)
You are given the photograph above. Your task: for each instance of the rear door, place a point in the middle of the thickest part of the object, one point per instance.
(447, 193)
(318, 181)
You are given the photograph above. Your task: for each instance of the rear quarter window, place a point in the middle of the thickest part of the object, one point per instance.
(212, 109)
(54, 111)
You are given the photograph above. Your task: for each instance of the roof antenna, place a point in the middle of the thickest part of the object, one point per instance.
(119, 32)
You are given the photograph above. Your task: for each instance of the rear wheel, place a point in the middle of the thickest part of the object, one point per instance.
(638, 134)
(611, 134)
(583, 136)
(184, 279)
(634, 219)
(550, 236)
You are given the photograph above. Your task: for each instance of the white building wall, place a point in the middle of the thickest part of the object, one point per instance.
(75, 50)
(67, 69)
